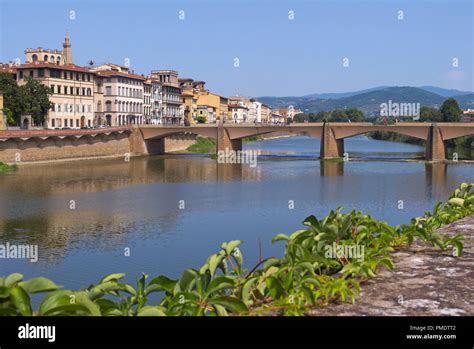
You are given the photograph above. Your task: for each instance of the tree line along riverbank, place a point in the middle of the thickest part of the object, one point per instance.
(325, 263)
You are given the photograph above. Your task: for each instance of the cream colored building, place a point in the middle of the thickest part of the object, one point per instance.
(147, 84)
(171, 99)
(122, 97)
(72, 86)
(266, 113)
(72, 99)
(3, 121)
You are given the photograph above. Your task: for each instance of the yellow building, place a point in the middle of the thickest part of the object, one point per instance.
(3, 122)
(195, 96)
(219, 103)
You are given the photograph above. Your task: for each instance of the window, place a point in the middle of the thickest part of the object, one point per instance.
(34, 58)
(53, 124)
(108, 90)
(65, 122)
(108, 106)
(52, 88)
(51, 59)
(45, 58)
(77, 122)
(88, 77)
(54, 73)
(83, 91)
(21, 74)
(77, 77)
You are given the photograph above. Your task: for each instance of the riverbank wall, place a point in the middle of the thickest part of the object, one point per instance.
(28, 146)
(425, 282)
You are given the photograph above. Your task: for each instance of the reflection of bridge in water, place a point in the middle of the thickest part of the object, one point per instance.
(332, 135)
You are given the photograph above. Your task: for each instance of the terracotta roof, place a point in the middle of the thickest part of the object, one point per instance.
(116, 73)
(7, 68)
(69, 67)
(236, 106)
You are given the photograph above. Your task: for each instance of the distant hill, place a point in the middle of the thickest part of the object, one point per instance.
(370, 100)
(445, 92)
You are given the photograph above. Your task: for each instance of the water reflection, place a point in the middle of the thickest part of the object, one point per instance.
(332, 168)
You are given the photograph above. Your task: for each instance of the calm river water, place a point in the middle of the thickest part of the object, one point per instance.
(136, 204)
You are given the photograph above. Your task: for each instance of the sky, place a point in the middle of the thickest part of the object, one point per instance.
(282, 47)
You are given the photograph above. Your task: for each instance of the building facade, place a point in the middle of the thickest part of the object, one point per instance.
(171, 99)
(123, 95)
(266, 114)
(72, 93)
(3, 119)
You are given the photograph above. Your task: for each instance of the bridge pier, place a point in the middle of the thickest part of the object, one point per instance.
(330, 146)
(435, 146)
(224, 143)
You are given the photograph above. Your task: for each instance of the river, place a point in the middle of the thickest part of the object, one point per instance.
(170, 212)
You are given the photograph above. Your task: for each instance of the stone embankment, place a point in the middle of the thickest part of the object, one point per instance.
(424, 282)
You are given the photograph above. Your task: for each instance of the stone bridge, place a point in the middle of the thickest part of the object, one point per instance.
(332, 135)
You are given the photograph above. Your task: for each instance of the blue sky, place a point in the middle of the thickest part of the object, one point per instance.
(277, 56)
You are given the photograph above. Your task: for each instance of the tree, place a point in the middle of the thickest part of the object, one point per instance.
(450, 110)
(430, 114)
(13, 104)
(201, 119)
(338, 115)
(355, 115)
(36, 99)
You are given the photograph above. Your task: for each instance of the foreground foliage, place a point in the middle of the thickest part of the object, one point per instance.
(307, 275)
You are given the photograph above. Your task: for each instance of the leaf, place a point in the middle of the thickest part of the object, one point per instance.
(219, 283)
(161, 283)
(280, 237)
(230, 246)
(232, 304)
(149, 310)
(39, 284)
(68, 303)
(274, 287)
(13, 279)
(456, 202)
(247, 290)
(21, 300)
(111, 277)
(214, 261)
(312, 221)
(186, 281)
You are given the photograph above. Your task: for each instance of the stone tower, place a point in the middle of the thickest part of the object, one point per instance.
(67, 49)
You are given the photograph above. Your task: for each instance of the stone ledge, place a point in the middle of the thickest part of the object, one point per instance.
(424, 282)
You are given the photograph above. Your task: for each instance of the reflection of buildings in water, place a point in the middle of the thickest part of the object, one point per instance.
(435, 173)
(331, 168)
(57, 232)
(111, 174)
